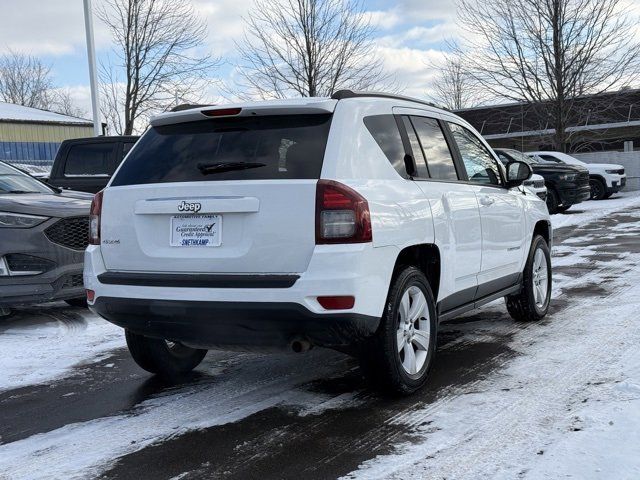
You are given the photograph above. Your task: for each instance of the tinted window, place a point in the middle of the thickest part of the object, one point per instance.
(435, 148)
(418, 156)
(549, 159)
(384, 130)
(478, 162)
(89, 159)
(240, 148)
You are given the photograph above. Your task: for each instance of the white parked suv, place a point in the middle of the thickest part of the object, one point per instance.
(357, 222)
(605, 179)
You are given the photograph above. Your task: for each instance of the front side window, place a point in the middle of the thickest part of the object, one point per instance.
(384, 130)
(89, 159)
(435, 148)
(480, 165)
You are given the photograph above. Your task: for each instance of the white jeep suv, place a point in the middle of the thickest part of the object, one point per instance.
(357, 222)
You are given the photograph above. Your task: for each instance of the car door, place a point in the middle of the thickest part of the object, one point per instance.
(454, 208)
(501, 213)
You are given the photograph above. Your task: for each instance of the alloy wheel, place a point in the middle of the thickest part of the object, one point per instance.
(414, 330)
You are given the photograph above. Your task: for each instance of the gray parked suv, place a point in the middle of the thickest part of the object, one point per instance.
(43, 234)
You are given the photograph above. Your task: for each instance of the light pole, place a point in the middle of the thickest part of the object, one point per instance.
(93, 72)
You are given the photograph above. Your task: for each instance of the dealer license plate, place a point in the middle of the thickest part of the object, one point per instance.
(196, 230)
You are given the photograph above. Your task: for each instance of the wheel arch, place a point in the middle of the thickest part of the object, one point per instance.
(544, 229)
(424, 256)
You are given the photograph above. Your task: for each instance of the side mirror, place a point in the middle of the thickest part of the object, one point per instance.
(517, 173)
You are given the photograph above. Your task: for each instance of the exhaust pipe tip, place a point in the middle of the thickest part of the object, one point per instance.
(300, 345)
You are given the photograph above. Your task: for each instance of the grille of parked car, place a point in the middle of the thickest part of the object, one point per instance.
(73, 281)
(70, 232)
(20, 263)
(538, 183)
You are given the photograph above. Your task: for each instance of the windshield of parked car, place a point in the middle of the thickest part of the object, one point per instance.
(521, 157)
(13, 181)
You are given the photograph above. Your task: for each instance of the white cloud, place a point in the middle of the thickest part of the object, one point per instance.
(412, 68)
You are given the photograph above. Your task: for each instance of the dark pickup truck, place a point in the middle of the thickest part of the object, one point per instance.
(86, 164)
(566, 184)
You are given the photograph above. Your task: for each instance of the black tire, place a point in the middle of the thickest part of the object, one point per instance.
(552, 201)
(77, 302)
(608, 195)
(167, 359)
(598, 189)
(380, 357)
(563, 208)
(5, 312)
(522, 306)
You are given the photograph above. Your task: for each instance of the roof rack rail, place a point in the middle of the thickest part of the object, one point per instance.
(342, 94)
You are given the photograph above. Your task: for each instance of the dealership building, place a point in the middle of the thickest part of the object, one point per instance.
(32, 136)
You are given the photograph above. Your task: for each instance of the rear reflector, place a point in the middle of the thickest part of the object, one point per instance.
(337, 303)
(221, 112)
(91, 296)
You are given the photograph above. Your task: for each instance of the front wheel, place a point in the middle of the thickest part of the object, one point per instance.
(532, 302)
(165, 358)
(598, 189)
(399, 356)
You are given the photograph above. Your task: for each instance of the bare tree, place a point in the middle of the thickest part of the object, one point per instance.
(62, 102)
(25, 80)
(453, 87)
(308, 48)
(550, 52)
(155, 44)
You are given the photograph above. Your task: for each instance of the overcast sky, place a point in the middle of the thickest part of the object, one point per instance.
(411, 33)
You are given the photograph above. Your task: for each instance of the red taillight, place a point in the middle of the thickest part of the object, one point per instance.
(221, 112)
(94, 219)
(342, 214)
(91, 296)
(337, 302)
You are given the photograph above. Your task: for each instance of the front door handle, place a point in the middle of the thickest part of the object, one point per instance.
(487, 201)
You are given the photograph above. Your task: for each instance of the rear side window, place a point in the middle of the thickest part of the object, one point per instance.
(384, 130)
(239, 148)
(435, 148)
(479, 163)
(89, 159)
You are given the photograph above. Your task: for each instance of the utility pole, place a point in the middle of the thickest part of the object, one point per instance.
(93, 72)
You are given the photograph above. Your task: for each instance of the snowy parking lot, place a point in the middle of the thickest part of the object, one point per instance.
(555, 399)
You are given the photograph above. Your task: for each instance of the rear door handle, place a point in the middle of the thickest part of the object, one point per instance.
(487, 201)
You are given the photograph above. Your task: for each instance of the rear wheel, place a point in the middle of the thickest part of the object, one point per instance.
(162, 357)
(598, 190)
(398, 357)
(552, 201)
(532, 302)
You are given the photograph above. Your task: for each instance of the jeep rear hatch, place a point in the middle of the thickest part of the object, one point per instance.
(231, 194)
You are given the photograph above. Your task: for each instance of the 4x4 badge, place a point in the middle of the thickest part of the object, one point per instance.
(189, 207)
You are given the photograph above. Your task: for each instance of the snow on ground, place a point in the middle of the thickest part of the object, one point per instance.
(591, 210)
(52, 344)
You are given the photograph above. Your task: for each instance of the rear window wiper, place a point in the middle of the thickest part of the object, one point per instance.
(208, 168)
(21, 191)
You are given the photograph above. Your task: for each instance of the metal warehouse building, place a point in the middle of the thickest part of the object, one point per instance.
(31, 136)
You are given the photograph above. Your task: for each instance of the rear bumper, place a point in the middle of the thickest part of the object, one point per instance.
(573, 195)
(230, 324)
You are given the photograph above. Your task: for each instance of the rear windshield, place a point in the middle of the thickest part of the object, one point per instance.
(241, 148)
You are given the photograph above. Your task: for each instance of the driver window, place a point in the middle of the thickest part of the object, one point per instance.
(480, 165)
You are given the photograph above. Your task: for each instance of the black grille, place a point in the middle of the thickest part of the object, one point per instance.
(73, 281)
(19, 263)
(70, 232)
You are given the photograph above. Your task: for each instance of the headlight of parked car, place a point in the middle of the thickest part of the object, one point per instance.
(20, 220)
(612, 171)
(570, 177)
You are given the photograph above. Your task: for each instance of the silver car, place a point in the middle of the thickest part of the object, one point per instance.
(43, 234)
